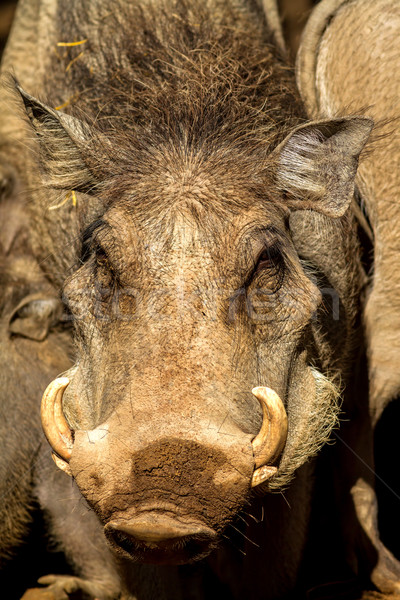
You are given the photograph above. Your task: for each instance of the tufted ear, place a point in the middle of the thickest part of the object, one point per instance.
(317, 164)
(64, 146)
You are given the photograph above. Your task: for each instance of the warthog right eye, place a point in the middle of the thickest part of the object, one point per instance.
(87, 239)
(101, 257)
(269, 259)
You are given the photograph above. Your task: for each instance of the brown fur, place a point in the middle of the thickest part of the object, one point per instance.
(193, 269)
(27, 365)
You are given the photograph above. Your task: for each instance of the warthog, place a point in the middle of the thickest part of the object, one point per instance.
(198, 227)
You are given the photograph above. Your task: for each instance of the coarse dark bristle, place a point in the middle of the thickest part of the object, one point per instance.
(178, 80)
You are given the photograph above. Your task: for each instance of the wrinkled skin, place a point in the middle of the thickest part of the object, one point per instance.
(210, 250)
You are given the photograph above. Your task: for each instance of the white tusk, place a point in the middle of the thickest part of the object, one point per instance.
(61, 464)
(262, 474)
(54, 425)
(271, 439)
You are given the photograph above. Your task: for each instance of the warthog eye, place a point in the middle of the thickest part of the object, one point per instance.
(106, 281)
(101, 258)
(271, 267)
(266, 280)
(267, 259)
(87, 239)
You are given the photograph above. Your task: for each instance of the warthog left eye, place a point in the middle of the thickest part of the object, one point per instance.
(106, 279)
(270, 265)
(266, 280)
(267, 259)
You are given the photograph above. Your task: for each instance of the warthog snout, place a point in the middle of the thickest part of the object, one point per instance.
(165, 490)
(158, 538)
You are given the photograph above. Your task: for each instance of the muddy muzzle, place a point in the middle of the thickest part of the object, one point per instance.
(166, 471)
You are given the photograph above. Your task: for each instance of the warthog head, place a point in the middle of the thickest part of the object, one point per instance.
(189, 292)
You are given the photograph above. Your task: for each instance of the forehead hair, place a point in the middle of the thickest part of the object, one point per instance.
(175, 90)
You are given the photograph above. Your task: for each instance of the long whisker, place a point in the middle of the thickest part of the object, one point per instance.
(234, 545)
(245, 536)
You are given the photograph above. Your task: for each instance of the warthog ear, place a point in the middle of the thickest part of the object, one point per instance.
(64, 145)
(34, 316)
(317, 164)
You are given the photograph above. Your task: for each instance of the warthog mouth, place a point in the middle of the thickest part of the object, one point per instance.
(156, 538)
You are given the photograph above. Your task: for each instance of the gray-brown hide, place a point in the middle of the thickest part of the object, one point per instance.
(210, 250)
(32, 349)
(349, 63)
(335, 82)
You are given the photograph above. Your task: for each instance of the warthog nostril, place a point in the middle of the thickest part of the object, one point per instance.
(159, 535)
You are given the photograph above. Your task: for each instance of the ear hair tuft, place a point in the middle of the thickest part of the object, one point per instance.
(317, 164)
(64, 140)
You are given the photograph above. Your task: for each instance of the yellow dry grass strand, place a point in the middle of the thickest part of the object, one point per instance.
(67, 102)
(70, 44)
(71, 62)
(71, 195)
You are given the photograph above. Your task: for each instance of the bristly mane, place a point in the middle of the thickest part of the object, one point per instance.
(172, 76)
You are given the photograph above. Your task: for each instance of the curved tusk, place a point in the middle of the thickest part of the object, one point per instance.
(54, 425)
(262, 474)
(270, 441)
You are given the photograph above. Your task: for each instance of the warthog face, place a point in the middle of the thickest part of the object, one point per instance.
(188, 293)
(184, 313)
